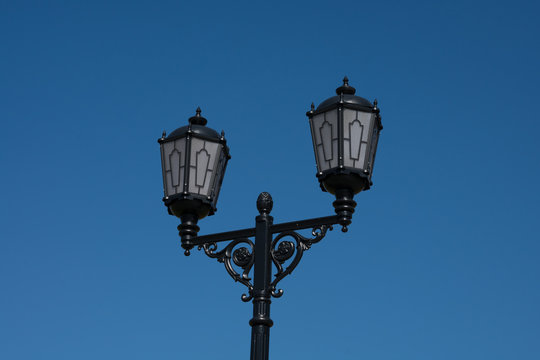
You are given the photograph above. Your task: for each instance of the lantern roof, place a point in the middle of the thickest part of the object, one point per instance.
(346, 95)
(197, 126)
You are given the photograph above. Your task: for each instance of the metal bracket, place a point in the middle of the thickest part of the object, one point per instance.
(280, 251)
(284, 250)
(242, 257)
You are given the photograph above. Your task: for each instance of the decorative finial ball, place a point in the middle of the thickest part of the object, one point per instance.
(264, 203)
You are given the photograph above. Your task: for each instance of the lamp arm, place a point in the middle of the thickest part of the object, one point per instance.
(276, 228)
(313, 223)
(280, 251)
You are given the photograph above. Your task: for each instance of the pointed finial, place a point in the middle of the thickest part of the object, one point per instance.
(345, 88)
(375, 104)
(163, 134)
(264, 203)
(197, 119)
(311, 110)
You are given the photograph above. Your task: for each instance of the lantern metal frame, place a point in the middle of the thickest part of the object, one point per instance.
(195, 130)
(284, 250)
(346, 99)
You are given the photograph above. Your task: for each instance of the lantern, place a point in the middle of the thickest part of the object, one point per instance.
(345, 131)
(193, 158)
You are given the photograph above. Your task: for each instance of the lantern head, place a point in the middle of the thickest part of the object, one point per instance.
(193, 159)
(345, 131)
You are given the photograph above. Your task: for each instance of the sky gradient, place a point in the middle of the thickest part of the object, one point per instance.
(441, 261)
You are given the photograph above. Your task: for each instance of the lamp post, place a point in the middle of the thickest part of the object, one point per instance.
(345, 130)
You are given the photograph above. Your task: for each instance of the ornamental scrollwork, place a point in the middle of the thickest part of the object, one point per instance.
(241, 257)
(281, 251)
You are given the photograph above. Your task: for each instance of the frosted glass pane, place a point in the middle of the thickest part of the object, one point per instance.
(218, 172)
(356, 130)
(368, 139)
(357, 126)
(314, 140)
(373, 150)
(174, 159)
(173, 164)
(335, 144)
(325, 133)
(348, 117)
(167, 150)
(347, 161)
(366, 121)
(362, 162)
(170, 188)
(180, 187)
(331, 118)
(316, 123)
(214, 151)
(324, 165)
(202, 165)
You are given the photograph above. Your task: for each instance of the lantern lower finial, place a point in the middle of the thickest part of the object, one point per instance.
(344, 206)
(188, 230)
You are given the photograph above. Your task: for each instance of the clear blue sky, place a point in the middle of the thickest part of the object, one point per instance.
(442, 259)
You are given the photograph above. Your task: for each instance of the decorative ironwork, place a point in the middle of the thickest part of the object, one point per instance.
(281, 251)
(242, 257)
(284, 250)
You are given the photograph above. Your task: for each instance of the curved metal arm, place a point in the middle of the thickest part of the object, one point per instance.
(242, 257)
(286, 249)
(280, 251)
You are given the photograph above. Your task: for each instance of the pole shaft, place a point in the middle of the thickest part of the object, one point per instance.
(261, 322)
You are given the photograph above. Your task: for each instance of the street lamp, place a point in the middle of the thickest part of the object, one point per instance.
(345, 131)
(193, 161)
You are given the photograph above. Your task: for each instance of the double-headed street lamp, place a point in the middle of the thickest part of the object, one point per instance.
(345, 130)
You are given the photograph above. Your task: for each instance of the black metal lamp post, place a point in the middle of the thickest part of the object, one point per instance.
(345, 131)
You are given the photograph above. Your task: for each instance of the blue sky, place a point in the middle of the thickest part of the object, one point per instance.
(441, 261)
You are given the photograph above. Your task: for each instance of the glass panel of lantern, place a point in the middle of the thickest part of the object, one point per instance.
(324, 130)
(206, 162)
(357, 127)
(173, 159)
(377, 127)
(203, 165)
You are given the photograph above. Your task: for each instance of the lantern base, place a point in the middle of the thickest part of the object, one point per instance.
(189, 205)
(343, 179)
(344, 207)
